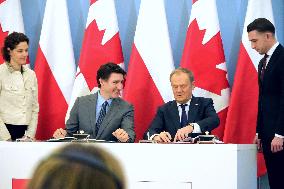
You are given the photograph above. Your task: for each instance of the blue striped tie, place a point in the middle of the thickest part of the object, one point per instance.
(183, 120)
(101, 117)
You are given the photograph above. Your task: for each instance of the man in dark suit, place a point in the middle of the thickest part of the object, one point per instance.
(270, 120)
(186, 114)
(103, 115)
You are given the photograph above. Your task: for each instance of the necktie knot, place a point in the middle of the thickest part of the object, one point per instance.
(104, 105)
(264, 61)
(183, 106)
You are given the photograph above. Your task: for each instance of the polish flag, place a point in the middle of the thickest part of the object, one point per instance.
(203, 54)
(242, 115)
(11, 19)
(151, 62)
(101, 44)
(55, 68)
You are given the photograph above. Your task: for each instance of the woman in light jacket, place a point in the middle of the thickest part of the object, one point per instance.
(18, 91)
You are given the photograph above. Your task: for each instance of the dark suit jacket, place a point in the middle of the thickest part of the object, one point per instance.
(201, 111)
(83, 117)
(270, 118)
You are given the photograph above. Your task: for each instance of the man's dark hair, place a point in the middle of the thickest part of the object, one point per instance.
(106, 70)
(10, 42)
(261, 25)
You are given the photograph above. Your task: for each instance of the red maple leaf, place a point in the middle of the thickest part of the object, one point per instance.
(93, 54)
(203, 59)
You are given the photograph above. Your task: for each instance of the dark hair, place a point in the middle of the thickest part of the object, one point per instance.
(77, 166)
(11, 42)
(261, 25)
(106, 70)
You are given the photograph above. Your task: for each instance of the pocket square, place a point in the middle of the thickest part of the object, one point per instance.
(196, 104)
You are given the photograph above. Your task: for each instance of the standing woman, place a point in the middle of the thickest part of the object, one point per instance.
(18, 91)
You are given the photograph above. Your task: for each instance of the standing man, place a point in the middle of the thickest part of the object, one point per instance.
(103, 115)
(187, 114)
(270, 120)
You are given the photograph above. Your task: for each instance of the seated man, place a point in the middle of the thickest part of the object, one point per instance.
(103, 115)
(186, 114)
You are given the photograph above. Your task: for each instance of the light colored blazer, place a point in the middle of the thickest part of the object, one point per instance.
(83, 117)
(18, 99)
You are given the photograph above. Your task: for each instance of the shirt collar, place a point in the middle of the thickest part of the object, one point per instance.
(101, 100)
(11, 69)
(188, 102)
(272, 49)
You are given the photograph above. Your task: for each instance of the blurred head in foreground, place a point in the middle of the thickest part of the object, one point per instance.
(78, 166)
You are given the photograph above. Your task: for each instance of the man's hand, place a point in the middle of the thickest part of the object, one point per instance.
(25, 138)
(163, 137)
(59, 133)
(258, 142)
(277, 144)
(183, 133)
(121, 135)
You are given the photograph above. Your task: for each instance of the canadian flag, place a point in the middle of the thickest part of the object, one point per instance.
(151, 62)
(203, 54)
(11, 19)
(55, 68)
(101, 44)
(242, 114)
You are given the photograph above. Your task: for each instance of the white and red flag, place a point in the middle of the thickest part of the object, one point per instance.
(242, 114)
(55, 68)
(151, 62)
(203, 54)
(11, 19)
(101, 44)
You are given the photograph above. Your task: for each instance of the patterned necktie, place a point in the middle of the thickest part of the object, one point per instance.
(183, 121)
(263, 63)
(101, 116)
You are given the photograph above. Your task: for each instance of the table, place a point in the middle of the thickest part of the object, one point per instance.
(179, 166)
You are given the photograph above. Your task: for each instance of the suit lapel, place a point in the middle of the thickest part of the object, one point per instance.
(259, 70)
(193, 109)
(113, 109)
(92, 110)
(273, 60)
(174, 115)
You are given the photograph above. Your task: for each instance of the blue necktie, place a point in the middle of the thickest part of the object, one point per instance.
(183, 121)
(101, 117)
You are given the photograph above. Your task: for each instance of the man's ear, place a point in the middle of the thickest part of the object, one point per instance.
(101, 81)
(268, 35)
